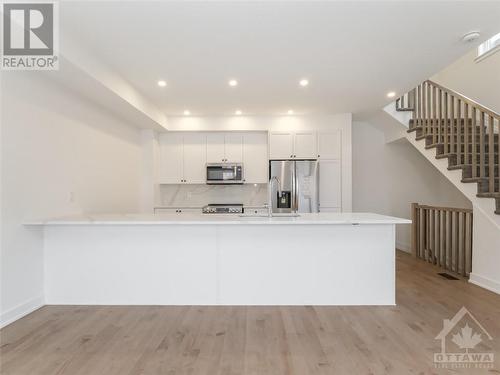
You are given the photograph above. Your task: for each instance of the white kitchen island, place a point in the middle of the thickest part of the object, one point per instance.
(314, 259)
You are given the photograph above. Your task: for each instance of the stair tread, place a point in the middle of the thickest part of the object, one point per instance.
(489, 195)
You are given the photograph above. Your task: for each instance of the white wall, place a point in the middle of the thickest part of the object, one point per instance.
(60, 155)
(479, 81)
(388, 177)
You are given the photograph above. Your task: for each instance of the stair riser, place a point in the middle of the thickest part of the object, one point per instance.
(429, 139)
(455, 160)
(441, 138)
(467, 171)
(442, 150)
(484, 186)
(421, 132)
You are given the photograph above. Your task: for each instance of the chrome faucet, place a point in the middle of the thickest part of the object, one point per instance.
(270, 194)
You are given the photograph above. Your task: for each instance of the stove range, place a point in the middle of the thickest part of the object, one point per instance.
(223, 208)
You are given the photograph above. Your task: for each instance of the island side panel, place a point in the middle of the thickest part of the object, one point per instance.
(127, 265)
(307, 265)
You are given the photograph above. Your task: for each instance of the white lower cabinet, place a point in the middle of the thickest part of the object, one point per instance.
(178, 210)
(330, 186)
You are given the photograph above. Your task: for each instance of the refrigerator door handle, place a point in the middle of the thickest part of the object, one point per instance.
(296, 190)
(292, 198)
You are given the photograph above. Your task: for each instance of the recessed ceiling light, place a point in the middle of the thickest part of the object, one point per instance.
(391, 94)
(290, 112)
(162, 83)
(233, 82)
(186, 113)
(238, 112)
(303, 82)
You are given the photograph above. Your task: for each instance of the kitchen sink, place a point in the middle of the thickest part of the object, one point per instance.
(265, 215)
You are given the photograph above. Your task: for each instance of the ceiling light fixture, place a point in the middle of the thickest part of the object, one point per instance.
(391, 94)
(304, 82)
(186, 113)
(471, 36)
(290, 112)
(238, 112)
(233, 82)
(162, 83)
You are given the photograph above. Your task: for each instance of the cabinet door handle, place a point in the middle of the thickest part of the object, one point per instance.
(319, 156)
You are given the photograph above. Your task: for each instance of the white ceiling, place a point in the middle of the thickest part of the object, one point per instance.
(353, 53)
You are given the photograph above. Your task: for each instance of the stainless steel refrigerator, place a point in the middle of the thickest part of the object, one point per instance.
(299, 186)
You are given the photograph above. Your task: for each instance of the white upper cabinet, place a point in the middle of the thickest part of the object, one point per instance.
(171, 158)
(281, 145)
(233, 147)
(292, 145)
(184, 155)
(255, 162)
(195, 151)
(329, 144)
(215, 148)
(330, 185)
(224, 148)
(305, 145)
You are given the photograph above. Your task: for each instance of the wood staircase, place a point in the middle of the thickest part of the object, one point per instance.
(461, 130)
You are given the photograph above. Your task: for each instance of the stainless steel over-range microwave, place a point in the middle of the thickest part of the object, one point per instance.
(224, 173)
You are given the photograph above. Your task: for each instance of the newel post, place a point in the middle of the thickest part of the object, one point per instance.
(414, 228)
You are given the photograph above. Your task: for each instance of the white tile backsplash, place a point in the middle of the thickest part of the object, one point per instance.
(200, 195)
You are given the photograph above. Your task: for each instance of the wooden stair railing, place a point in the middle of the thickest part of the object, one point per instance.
(461, 130)
(443, 236)
(406, 102)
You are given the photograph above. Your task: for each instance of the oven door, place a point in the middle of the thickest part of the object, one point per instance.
(224, 174)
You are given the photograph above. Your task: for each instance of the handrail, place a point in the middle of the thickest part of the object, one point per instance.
(466, 99)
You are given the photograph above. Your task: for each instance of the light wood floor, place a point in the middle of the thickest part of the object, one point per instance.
(126, 340)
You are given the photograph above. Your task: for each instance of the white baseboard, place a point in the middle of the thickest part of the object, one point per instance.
(21, 310)
(403, 247)
(484, 282)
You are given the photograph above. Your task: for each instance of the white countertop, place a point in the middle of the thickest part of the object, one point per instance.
(222, 219)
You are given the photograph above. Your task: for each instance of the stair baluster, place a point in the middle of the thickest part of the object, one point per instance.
(461, 130)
